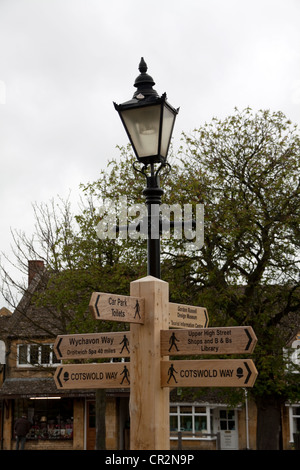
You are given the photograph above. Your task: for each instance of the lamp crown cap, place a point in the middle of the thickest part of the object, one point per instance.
(144, 82)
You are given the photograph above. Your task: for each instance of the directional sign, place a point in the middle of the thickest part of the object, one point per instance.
(91, 376)
(120, 308)
(95, 345)
(187, 316)
(210, 373)
(226, 340)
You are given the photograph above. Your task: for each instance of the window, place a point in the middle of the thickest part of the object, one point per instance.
(22, 354)
(50, 418)
(36, 355)
(190, 418)
(227, 420)
(294, 415)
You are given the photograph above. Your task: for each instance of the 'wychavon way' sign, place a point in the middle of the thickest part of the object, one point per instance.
(93, 345)
(208, 373)
(224, 340)
(187, 316)
(114, 307)
(91, 376)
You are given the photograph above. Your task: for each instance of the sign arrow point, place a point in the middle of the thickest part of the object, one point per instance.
(250, 339)
(58, 376)
(57, 347)
(249, 373)
(206, 318)
(96, 306)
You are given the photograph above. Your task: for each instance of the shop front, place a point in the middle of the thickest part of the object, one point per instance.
(51, 418)
(56, 420)
(64, 420)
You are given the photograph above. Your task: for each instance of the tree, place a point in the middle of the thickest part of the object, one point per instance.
(245, 169)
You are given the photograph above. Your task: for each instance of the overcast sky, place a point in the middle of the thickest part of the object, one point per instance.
(64, 62)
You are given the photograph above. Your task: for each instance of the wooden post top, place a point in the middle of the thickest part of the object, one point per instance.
(149, 279)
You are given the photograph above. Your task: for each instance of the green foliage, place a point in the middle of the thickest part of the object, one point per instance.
(245, 169)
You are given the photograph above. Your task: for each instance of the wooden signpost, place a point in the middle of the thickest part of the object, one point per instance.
(200, 341)
(150, 342)
(103, 375)
(149, 401)
(121, 308)
(187, 316)
(209, 373)
(93, 345)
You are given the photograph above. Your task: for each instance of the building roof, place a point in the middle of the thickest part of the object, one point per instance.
(41, 387)
(37, 387)
(29, 320)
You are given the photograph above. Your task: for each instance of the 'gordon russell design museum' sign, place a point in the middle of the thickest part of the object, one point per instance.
(187, 316)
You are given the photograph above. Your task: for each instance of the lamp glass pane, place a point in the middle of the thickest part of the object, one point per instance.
(143, 127)
(168, 122)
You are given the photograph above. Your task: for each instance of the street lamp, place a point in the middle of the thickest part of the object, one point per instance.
(149, 120)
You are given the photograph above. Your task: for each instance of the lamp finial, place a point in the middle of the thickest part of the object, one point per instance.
(144, 82)
(143, 66)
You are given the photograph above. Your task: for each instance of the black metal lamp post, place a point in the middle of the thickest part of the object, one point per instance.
(149, 121)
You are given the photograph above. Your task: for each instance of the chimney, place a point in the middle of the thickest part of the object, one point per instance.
(34, 267)
(4, 312)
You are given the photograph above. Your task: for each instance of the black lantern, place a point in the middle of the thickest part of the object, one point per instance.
(148, 120)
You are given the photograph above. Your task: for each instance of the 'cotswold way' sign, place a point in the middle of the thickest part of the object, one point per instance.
(103, 375)
(209, 373)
